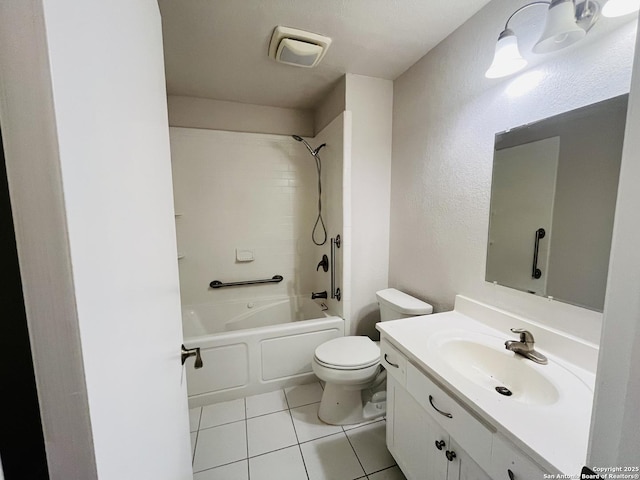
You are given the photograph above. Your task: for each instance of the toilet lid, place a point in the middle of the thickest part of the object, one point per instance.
(349, 352)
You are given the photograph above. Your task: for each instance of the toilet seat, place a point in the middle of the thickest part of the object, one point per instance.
(348, 353)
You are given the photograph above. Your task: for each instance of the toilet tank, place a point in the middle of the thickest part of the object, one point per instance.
(395, 304)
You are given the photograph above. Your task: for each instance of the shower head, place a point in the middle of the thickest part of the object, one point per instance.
(311, 150)
(300, 139)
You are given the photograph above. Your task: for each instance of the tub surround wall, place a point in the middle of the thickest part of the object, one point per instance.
(213, 114)
(446, 114)
(370, 101)
(366, 186)
(243, 191)
(336, 166)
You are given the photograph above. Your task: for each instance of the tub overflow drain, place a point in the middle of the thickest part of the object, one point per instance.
(504, 391)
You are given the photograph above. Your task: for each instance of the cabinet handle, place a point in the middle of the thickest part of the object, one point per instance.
(511, 475)
(440, 444)
(450, 455)
(448, 415)
(386, 359)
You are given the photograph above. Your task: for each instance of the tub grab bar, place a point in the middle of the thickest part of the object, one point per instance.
(219, 284)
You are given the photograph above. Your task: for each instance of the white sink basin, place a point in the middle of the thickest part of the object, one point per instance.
(483, 360)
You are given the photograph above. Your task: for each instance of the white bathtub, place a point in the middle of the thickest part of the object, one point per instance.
(253, 347)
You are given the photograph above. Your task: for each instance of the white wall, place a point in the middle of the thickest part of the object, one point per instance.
(30, 141)
(615, 432)
(370, 101)
(331, 106)
(446, 114)
(243, 191)
(213, 114)
(105, 140)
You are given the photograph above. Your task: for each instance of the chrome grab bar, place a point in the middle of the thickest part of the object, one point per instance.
(219, 284)
(335, 292)
(535, 271)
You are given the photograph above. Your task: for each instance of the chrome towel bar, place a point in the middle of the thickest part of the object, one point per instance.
(219, 284)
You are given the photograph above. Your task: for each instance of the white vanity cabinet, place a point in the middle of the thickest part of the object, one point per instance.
(433, 437)
(422, 448)
(411, 436)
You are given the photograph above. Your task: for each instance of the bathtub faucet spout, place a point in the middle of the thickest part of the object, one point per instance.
(315, 295)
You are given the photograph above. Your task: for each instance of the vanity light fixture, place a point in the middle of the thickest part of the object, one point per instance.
(565, 24)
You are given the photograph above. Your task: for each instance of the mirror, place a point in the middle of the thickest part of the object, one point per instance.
(553, 196)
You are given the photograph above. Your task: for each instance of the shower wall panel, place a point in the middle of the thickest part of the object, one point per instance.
(243, 191)
(335, 174)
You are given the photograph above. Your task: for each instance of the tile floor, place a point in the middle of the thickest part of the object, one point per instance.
(277, 435)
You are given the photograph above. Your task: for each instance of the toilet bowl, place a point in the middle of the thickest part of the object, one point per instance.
(350, 366)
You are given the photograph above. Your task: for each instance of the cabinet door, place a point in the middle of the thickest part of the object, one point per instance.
(461, 466)
(413, 437)
(509, 463)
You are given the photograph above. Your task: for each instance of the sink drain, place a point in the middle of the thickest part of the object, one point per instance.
(504, 391)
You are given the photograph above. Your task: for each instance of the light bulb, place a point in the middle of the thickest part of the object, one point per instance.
(507, 59)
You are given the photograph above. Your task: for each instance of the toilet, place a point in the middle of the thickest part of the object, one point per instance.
(350, 366)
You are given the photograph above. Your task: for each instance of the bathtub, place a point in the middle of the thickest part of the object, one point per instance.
(251, 347)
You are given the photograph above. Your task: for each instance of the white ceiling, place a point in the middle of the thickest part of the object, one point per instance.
(218, 48)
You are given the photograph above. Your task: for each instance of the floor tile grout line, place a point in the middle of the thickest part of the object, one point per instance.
(360, 426)
(285, 448)
(193, 456)
(304, 464)
(264, 414)
(383, 469)
(246, 438)
(223, 424)
(272, 451)
(323, 436)
(303, 405)
(222, 465)
(289, 410)
(356, 454)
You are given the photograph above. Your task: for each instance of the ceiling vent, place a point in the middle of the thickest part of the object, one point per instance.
(297, 47)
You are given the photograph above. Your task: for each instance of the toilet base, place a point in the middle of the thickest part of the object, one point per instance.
(344, 406)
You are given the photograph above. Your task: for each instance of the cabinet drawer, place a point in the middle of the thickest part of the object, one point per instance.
(472, 435)
(393, 361)
(509, 463)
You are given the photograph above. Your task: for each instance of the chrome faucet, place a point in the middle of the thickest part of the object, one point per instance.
(525, 346)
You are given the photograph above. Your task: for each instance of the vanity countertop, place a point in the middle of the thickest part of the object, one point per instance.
(554, 433)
